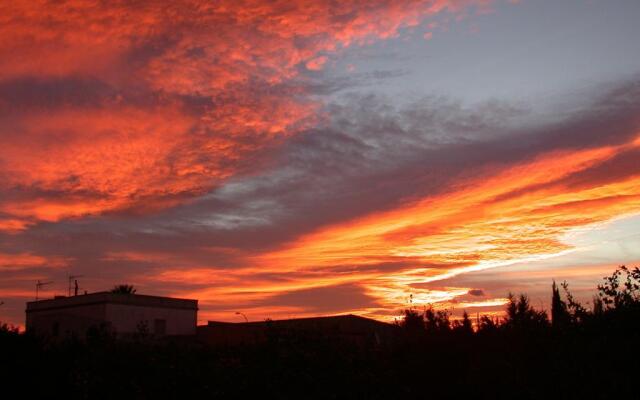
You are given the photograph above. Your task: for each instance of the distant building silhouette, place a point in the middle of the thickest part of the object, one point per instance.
(121, 314)
(349, 328)
(125, 315)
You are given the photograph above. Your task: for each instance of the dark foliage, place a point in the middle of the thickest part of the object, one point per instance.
(523, 317)
(593, 354)
(560, 316)
(124, 289)
(622, 289)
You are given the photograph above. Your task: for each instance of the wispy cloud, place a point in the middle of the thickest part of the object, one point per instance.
(115, 106)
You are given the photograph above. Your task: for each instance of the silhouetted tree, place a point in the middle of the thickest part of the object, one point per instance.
(577, 312)
(522, 316)
(8, 329)
(124, 289)
(437, 321)
(621, 289)
(560, 317)
(412, 321)
(488, 324)
(463, 326)
(598, 306)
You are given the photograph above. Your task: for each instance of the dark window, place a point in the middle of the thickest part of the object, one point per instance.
(55, 329)
(160, 327)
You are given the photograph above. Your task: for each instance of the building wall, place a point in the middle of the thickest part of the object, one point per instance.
(350, 329)
(66, 321)
(126, 318)
(123, 314)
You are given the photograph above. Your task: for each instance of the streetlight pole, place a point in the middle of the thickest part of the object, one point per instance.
(245, 317)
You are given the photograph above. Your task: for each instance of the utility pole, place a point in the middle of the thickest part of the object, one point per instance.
(39, 285)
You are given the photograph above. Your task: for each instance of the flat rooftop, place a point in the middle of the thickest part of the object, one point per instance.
(306, 322)
(140, 300)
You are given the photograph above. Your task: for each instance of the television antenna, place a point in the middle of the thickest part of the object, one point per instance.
(71, 279)
(39, 286)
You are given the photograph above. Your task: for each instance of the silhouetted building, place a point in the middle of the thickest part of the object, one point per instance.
(349, 328)
(121, 314)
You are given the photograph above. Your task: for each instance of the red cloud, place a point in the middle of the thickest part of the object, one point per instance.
(17, 261)
(187, 91)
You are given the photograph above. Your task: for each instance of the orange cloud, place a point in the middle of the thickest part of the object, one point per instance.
(317, 63)
(136, 139)
(495, 218)
(17, 261)
(501, 215)
(12, 225)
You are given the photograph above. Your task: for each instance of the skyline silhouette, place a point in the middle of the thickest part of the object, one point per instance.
(583, 351)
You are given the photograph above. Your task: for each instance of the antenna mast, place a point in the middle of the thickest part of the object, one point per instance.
(39, 285)
(71, 279)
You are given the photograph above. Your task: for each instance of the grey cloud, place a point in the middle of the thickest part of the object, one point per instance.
(371, 156)
(330, 84)
(374, 156)
(50, 93)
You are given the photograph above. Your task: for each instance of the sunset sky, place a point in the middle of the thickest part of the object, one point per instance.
(290, 158)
